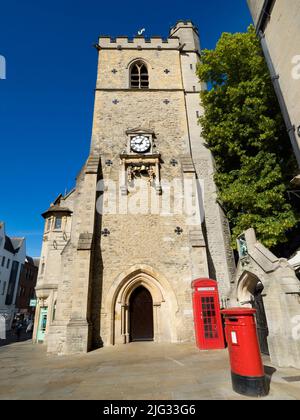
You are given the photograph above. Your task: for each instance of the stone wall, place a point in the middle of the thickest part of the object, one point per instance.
(256, 7)
(92, 272)
(283, 41)
(281, 298)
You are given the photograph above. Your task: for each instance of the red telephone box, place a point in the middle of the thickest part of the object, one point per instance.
(207, 315)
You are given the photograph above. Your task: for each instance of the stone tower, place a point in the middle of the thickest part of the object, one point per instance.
(120, 251)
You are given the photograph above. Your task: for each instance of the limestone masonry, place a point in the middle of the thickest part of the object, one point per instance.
(103, 258)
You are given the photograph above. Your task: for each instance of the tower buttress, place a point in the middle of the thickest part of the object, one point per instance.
(188, 34)
(215, 226)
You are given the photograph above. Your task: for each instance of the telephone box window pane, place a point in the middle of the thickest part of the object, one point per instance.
(209, 318)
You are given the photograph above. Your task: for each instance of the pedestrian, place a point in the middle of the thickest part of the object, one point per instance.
(19, 328)
(13, 325)
(29, 327)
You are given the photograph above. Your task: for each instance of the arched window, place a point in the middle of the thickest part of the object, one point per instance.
(139, 77)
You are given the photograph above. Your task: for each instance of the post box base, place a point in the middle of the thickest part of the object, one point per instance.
(250, 386)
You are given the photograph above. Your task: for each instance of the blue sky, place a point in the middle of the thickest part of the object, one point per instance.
(46, 102)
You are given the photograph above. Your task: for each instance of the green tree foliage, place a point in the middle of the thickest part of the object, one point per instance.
(244, 129)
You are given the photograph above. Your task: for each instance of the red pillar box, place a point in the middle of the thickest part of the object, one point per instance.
(207, 315)
(247, 371)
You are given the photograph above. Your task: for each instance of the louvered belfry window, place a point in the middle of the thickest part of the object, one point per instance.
(139, 77)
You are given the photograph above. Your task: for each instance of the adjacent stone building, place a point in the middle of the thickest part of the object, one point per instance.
(270, 285)
(277, 23)
(26, 289)
(12, 256)
(121, 250)
(294, 261)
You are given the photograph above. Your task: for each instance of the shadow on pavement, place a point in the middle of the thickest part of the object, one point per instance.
(12, 338)
(269, 371)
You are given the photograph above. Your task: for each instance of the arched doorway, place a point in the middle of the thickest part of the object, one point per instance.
(117, 305)
(141, 315)
(261, 319)
(250, 293)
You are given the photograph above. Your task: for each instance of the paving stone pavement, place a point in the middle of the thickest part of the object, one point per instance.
(138, 371)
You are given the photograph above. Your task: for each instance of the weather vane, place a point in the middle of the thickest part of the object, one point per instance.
(140, 33)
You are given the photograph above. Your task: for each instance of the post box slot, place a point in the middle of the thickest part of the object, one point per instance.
(233, 319)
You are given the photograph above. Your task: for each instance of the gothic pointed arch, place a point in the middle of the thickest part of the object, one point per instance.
(246, 286)
(140, 59)
(250, 292)
(139, 75)
(124, 278)
(118, 299)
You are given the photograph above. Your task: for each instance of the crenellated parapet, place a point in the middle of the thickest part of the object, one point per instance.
(138, 42)
(183, 24)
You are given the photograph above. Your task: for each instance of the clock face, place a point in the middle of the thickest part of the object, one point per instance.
(140, 144)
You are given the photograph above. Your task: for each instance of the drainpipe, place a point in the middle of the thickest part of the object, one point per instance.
(264, 15)
(282, 104)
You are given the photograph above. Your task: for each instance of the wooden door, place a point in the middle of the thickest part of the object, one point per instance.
(141, 315)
